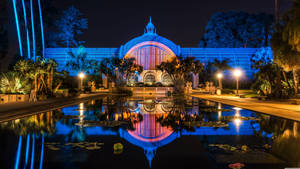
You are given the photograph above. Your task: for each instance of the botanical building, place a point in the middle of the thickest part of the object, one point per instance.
(150, 49)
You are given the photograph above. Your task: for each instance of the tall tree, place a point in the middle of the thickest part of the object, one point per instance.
(108, 66)
(237, 30)
(69, 26)
(285, 42)
(179, 70)
(128, 66)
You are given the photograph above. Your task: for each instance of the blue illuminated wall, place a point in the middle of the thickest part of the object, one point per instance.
(149, 53)
(60, 55)
(239, 57)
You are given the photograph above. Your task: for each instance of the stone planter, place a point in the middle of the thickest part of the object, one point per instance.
(22, 97)
(12, 98)
(3, 99)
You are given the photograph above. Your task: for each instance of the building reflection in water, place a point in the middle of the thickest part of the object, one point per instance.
(147, 133)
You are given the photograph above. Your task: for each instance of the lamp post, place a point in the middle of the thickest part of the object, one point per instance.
(237, 73)
(81, 76)
(220, 76)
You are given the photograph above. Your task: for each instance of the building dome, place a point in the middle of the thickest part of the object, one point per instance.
(150, 49)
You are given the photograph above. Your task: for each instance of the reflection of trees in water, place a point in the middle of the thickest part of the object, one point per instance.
(115, 115)
(36, 124)
(176, 120)
(285, 139)
(183, 116)
(118, 110)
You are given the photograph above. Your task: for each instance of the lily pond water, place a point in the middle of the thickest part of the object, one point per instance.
(136, 133)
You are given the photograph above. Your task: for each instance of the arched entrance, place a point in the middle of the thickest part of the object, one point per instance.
(150, 54)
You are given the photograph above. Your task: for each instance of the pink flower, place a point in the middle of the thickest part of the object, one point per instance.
(236, 165)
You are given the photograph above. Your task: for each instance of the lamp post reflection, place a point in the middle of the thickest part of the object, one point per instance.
(237, 118)
(219, 111)
(81, 114)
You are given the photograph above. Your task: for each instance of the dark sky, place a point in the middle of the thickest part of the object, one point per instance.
(112, 23)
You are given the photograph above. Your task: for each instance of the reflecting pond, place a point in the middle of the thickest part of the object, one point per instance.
(150, 133)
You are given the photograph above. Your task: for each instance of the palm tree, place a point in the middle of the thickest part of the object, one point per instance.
(179, 69)
(127, 67)
(221, 66)
(79, 61)
(50, 68)
(13, 82)
(108, 67)
(24, 67)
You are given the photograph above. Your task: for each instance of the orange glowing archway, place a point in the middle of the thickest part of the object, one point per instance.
(150, 54)
(149, 130)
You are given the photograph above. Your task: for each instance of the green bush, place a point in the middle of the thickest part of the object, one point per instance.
(13, 82)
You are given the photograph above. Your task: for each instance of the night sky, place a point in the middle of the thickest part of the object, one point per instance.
(112, 23)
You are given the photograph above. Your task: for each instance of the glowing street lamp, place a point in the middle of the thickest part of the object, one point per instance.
(81, 75)
(220, 76)
(237, 73)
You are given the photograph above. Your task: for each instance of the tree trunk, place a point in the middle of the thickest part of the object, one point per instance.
(50, 79)
(35, 83)
(295, 76)
(277, 88)
(276, 12)
(57, 87)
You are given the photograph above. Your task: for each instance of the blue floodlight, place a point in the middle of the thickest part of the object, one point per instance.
(18, 29)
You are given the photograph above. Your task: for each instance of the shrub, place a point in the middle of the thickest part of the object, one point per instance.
(13, 82)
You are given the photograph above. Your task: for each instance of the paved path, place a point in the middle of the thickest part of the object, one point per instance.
(283, 109)
(11, 111)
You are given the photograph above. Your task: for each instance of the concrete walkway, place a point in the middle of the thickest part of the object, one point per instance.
(283, 109)
(11, 111)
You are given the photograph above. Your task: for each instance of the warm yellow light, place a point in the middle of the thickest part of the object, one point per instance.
(237, 122)
(81, 75)
(237, 108)
(237, 73)
(219, 75)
